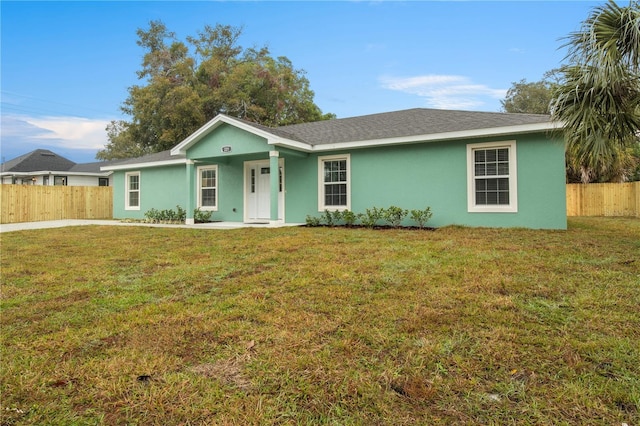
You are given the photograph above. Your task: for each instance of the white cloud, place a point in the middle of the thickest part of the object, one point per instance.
(67, 132)
(444, 91)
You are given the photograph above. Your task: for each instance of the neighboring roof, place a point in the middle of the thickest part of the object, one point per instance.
(40, 159)
(43, 160)
(406, 126)
(89, 167)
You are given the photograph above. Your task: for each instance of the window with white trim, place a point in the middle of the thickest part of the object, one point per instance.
(132, 191)
(492, 178)
(208, 188)
(334, 180)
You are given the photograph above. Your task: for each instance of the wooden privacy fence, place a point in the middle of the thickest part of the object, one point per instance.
(32, 203)
(603, 199)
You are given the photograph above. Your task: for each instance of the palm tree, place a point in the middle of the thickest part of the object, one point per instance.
(598, 98)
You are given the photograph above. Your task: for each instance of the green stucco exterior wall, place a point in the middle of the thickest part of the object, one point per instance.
(412, 176)
(160, 188)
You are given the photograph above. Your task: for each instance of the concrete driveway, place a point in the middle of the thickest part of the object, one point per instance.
(10, 227)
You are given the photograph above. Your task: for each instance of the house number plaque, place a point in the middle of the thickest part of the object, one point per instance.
(226, 148)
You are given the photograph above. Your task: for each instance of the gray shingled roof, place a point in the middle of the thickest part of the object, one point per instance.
(150, 158)
(41, 160)
(89, 167)
(38, 160)
(411, 122)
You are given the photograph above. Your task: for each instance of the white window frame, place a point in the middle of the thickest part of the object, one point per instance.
(512, 207)
(127, 191)
(200, 188)
(321, 183)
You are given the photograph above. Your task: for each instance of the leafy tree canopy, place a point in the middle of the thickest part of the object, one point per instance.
(187, 84)
(531, 97)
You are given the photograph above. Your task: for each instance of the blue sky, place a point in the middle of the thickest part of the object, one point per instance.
(66, 66)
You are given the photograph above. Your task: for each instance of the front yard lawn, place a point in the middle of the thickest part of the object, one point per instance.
(161, 326)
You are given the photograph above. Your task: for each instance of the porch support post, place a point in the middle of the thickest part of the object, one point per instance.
(191, 190)
(274, 174)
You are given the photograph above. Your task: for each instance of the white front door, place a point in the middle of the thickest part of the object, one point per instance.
(258, 191)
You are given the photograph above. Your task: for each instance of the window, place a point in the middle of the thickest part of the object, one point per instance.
(103, 181)
(208, 188)
(253, 181)
(492, 178)
(132, 191)
(334, 177)
(60, 180)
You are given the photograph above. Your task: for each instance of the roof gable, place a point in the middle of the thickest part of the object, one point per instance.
(270, 134)
(228, 140)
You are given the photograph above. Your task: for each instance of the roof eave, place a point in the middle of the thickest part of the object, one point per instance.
(439, 137)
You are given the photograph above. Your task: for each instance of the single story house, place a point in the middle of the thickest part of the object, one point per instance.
(471, 168)
(44, 167)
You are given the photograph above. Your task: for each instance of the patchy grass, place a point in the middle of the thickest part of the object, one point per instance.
(113, 325)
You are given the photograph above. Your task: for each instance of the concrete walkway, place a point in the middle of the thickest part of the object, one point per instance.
(10, 227)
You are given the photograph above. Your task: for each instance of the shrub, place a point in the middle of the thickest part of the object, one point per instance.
(371, 217)
(332, 218)
(421, 216)
(394, 215)
(152, 215)
(337, 216)
(312, 221)
(180, 214)
(166, 215)
(202, 217)
(349, 217)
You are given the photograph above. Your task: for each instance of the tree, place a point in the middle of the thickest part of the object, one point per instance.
(188, 84)
(531, 98)
(598, 98)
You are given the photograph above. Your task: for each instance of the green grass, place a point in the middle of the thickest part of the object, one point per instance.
(321, 326)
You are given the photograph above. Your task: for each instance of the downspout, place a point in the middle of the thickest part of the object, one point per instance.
(274, 186)
(191, 206)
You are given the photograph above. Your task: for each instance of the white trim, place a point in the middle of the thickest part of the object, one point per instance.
(145, 165)
(127, 190)
(321, 183)
(54, 172)
(512, 207)
(199, 188)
